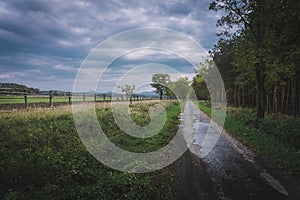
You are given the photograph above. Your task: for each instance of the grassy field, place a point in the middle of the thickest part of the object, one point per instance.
(41, 99)
(277, 138)
(42, 157)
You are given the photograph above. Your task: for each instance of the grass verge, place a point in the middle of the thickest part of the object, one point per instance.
(42, 157)
(277, 138)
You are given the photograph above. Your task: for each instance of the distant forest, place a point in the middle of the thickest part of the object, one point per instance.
(14, 88)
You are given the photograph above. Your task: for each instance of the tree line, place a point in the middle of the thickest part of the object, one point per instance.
(179, 89)
(8, 88)
(258, 55)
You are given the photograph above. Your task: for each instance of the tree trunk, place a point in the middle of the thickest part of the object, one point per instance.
(261, 99)
(243, 97)
(268, 104)
(259, 66)
(287, 98)
(234, 96)
(239, 96)
(295, 95)
(275, 100)
(282, 100)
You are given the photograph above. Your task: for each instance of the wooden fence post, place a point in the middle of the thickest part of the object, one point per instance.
(84, 97)
(104, 96)
(25, 99)
(69, 94)
(95, 97)
(50, 99)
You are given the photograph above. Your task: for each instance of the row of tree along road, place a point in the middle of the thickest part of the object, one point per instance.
(258, 55)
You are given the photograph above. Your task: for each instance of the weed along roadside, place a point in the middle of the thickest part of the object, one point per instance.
(43, 157)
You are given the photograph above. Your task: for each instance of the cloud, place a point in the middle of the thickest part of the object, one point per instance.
(55, 36)
(11, 75)
(149, 54)
(64, 68)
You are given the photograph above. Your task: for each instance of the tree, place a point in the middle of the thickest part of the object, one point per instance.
(128, 90)
(14, 88)
(200, 88)
(223, 56)
(263, 50)
(181, 88)
(249, 18)
(160, 82)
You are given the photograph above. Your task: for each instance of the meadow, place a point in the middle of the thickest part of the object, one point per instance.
(41, 99)
(42, 156)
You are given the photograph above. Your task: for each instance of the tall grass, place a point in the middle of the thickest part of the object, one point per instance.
(42, 157)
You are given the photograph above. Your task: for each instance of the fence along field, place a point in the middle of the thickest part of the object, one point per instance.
(20, 98)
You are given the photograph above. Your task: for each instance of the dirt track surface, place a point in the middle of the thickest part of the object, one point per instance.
(230, 171)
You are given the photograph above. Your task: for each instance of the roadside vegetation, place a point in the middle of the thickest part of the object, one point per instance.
(42, 157)
(277, 138)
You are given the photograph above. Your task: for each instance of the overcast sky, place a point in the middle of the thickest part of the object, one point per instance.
(43, 43)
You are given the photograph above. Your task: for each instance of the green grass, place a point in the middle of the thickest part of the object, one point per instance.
(42, 157)
(11, 100)
(142, 118)
(277, 138)
(41, 99)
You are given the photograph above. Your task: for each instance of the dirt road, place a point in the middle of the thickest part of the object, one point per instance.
(230, 170)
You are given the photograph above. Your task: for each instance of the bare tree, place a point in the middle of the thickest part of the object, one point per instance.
(128, 90)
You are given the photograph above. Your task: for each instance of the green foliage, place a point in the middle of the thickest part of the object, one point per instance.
(200, 88)
(205, 107)
(141, 117)
(42, 157)
(181, 88)
(7, 88)
(160, 82)
(286, 129)
(259, 47)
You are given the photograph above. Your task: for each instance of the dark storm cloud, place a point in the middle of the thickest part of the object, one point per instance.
(46, 41)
